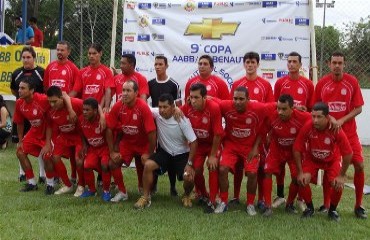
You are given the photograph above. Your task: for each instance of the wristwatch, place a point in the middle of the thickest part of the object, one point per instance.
(190, 163)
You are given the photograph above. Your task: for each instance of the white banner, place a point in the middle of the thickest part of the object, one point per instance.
(184, 30)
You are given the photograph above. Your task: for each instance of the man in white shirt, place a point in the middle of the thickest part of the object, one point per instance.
(177, 145)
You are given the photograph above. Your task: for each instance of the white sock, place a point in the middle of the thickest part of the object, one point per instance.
(21, 172)
(32, 181)
(41, 166)
(50, 181)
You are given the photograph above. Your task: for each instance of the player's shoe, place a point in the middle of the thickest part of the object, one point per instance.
(322, 209)
(202, 200)
(334, 216)
(29, 187)
(120, 196)
(64, 190)
(360, 212)
(106, 196)
(186, 201)
(267, 212)
(261, 206)
(42, 180)
(308, 213)
(278, 201)
(49, 190)
(79, 191)
(87, 193)
(173, 192)
(251, 210)
(142, 203)
(234, 202)
(301, 205)
(22, 178)
(290, 209)
(210, 208)
(221, 207)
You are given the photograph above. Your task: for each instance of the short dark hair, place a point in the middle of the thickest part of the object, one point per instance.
(209, 58)
(29, 49)
(63, 42)
(29, 82)
(130, 58)
(96, 46)
(295, 54)
(162, 57)
(135, 86)
(242, 89)
(54, 91)
(166, 97)
(92, 102)
(337, 54)
(199, 86)
(321, 106)
(251, 55)
(286, 98)
(33, 20)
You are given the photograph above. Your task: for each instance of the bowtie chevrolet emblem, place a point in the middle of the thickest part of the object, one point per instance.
(212, 28)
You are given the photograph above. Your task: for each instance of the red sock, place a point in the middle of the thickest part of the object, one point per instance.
(118, 179)
(359, 182)
(139, 172)
(81, 176)
(260, 179)
(62, 173)
(213, 185)
(267, 189)
(306, 193)
(293, 191)
(250, 198)
(224, 196)
(29, 174)
(200, 184)
(106, 180)
(238, 178)
(90, 179)
(72, 160)
(335, 196)
(327, 191)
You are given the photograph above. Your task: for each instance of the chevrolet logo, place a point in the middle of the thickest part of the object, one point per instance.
(212, 28)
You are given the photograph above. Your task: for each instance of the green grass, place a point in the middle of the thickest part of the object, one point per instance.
(36, 216)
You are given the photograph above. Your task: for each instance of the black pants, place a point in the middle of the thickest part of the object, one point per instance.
(27, 127)
(3, 136)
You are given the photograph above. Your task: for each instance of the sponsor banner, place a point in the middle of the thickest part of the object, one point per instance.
(183, 30)
(11, 59)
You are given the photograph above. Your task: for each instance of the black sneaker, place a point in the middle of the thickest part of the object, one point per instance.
(322, 209)
(173, 192)
(210, 208)
(333, 215)
(267, 212)
(360, 212)
(234, 202)
(49, 190)
(261, 206)
(22, 178)
(308, 213)
(202, 201)
(290, 209)
(42, 180)
(29, 187)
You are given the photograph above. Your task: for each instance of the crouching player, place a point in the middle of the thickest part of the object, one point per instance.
(322, 149)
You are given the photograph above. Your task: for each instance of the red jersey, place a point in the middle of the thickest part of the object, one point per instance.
(141, 81)
(92, 132)
(136, 122)
(205, 123)
(342, 97)
(58, 120)
(302, 90)
(259, 89)
(62, 75)
(38, 38)
(94, 81)
(216, 87)
(242, 128)
(322, 146)
(34, 112)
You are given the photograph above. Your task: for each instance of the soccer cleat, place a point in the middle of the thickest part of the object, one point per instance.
(106, 196)
(64, 190)
(301, 205)
(142, 203)
(186, 201)
(290, 209)
(261, 206)
(360, 212)
(333, 215)
(210, 208)
(79, 191)
(87, 193)
(120, 196)
(42, 180)
(234, 202)
(202, 200)
(221, 208)
(22, 178)
(49, 190)
(29, 187)
(267, 212)
(251, 210)
(173, 192)
(278, 201)
(308, 213)
(322, 209)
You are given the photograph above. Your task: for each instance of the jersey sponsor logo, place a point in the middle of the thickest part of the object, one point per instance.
(320, 154)
(130, 130)
(92, 89)
(36, 122)
(337, 106)
(286, 141)
(96, 142)
(58, 82)
(297, 103)
(241, 133)
(201, 133)
(67, 128)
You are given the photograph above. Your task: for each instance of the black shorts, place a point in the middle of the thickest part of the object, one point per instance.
(167, 161)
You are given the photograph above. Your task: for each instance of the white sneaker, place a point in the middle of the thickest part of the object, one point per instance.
(301, 205)
(120, 196)
(221, 208)
(64, 190)
(277, 202)
(251, 210)
(79, 191)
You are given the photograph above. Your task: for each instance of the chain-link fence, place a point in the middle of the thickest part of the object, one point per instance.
(347, 29)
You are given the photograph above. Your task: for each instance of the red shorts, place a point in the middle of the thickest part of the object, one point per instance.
(129, 152)
(331, 169)
(356, 149)
(96, 157)
(276, 160)
(201, 154)
(62, 146)
(229, 158)
(32, 145)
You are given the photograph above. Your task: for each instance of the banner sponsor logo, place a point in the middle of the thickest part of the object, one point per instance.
(223, 4)
(130, 5)
(159, 21)
(157, 37)
(126, 51)
(282, 39)
(286, 20)
(157, 5)
(268, 56)
(268, 20)
(145, 6)
(204, 5)
(212, 28)
(281, 73)
(302, 21)
(126, 20)
(282, 56)
(269, 4)
(189, 6)
(301, 39)
(143, 21)
(302, 3)
(143, 37)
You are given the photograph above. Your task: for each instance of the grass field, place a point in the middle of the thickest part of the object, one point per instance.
(36, 216)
